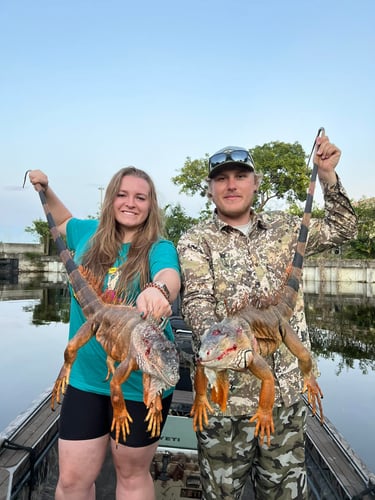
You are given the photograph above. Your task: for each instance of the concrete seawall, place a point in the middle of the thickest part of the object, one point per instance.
(340, 277)
(340, 270)
(348, 273)
(28, 258)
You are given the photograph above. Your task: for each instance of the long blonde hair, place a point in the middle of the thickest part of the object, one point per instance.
(106, 243)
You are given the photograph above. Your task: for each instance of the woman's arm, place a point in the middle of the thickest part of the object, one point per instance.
(60, 213)
(156, 298)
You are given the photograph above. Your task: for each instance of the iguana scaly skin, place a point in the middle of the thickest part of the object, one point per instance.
(238, 343)
(135, 343)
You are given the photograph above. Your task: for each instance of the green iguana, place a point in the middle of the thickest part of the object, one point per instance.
(239, 341)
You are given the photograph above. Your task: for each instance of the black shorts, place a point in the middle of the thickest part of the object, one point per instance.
(85, 415)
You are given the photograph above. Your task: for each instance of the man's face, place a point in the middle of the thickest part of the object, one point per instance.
(232, 191)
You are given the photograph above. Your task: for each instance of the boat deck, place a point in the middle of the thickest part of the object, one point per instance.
(333, 467)
(29, 459)
(27, 453)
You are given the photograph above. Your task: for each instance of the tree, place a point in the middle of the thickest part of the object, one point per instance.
(363, 247)
(282, 165)
(192, 179)
(41, 229)
(295, 209)
(176, 222)
(284, 171)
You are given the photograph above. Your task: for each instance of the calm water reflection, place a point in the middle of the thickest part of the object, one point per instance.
(33, 335)
(32, 341)
(342, 330)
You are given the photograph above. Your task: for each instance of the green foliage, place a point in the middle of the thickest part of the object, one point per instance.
(192, 179)
(41, 229)
(176, 222)
(295, 209)
(284, 172)
(363, 247)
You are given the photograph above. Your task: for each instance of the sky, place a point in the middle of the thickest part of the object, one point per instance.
(88, 87)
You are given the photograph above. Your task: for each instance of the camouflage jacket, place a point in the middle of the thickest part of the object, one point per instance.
(221, 265)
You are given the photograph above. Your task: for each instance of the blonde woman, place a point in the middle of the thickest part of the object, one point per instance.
(124, 249)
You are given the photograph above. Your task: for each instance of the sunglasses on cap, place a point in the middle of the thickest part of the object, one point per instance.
(229, 155)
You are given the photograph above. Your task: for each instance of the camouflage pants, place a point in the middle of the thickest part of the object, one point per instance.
(228, 453)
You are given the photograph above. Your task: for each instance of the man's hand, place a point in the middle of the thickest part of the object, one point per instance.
(326, 157)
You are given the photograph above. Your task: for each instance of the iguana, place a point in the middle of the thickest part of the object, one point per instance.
(135, 343)
(239, 341)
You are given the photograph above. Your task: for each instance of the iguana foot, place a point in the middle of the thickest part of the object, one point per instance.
(199, 412)
(220, 390)
(264, 425)
(314, 395)
(60, 386)
(154, 417)
(121, 424)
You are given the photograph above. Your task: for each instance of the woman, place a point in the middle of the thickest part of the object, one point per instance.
(125, 251)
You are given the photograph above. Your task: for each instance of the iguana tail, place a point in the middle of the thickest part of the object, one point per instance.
(295, 275)
(83, 291)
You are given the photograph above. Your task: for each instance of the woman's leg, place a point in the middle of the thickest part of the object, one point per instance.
(132, 458)
(85, 421)
(134, 480)
(79, 465)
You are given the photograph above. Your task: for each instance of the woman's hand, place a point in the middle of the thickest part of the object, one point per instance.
(152, 302)
(38, 177)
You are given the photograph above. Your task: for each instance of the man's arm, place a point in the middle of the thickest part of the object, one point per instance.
(340, 221)
(198, 302)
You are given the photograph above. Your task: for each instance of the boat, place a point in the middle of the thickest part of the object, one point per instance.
(28, 452)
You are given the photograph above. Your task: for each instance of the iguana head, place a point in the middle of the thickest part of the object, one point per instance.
(156, 355)
(226, 345)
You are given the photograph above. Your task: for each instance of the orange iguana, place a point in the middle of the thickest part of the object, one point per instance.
(135, 343)
(239, 341)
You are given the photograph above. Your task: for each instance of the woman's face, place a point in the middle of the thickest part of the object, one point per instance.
(132, 203)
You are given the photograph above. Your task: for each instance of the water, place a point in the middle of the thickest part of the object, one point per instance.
(32, 342)
(30, 357)
(34, 330)
(349, 402)
(342, 330)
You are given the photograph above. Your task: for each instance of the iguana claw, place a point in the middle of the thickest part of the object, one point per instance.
(120, 423)
(154, 417)
(264, 426)
(314, 395)
(199, 412)
(60, 386)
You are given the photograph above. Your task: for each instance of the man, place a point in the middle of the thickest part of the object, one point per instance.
(240, 253)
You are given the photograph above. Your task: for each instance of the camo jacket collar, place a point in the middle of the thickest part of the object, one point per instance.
(258, 221)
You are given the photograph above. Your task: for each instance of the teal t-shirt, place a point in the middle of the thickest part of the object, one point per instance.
(89, 369)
